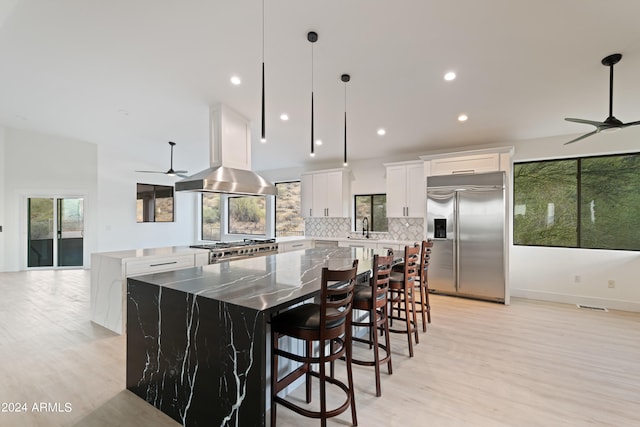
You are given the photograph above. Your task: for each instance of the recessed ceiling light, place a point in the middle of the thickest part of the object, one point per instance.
(318, 142)
(450, 76)
(381, 131)
(284, 117)
(235, 80)
(462, 118)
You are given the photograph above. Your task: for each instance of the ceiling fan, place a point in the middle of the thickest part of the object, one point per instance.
(170, 172)
(610, 123)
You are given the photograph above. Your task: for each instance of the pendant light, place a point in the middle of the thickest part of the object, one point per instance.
(345, 78)
(263, 137)
(312, 36)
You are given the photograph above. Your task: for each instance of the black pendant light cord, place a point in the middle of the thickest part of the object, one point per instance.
(345, 78)
(312, 37)
(263, 137)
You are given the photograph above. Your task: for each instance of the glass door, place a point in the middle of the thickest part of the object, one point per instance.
(55, 232)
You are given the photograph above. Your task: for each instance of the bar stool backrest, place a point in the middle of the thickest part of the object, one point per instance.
(337, 297)
(380, 276)
(425, 257)
(411, 263)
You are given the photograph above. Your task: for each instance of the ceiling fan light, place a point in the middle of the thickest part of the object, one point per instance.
(611, 129)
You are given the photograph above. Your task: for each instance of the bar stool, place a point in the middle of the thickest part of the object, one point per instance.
(328, 323)
(425, 307)
(373, 298)
(402, 289)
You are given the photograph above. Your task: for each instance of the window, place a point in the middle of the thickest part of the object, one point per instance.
(591, 202)
(210, 216)
(289, 222)
(154, 203)
(374, 207)
(247, 215)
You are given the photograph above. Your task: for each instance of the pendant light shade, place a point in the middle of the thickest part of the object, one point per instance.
(263, 137)
(345, 78)
(312, 36)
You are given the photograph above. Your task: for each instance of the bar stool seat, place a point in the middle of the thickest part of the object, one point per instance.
(329, 325)
(304, 317)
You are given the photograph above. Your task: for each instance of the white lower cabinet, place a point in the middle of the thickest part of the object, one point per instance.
(295, 245)
(358, 244)
(110, 270)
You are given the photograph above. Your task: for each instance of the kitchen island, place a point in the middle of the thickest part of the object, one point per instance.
(197, 338)
(109, 271)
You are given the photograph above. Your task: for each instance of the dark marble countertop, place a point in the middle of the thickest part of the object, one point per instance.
(266, 283)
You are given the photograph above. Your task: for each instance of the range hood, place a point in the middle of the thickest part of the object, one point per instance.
(230, 170)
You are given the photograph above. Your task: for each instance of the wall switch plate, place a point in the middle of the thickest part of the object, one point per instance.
(611, 283)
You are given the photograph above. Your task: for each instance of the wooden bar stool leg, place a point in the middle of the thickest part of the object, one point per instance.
(308, 374)
(415, 315)
(349, 360)
(423, 309)
(274, 375)
(376, 355)
(407, 316)
(387, 338)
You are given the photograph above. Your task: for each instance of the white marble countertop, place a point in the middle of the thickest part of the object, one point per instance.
(151, 252)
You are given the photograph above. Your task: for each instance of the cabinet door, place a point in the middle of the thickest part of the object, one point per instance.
(466, 164)
(319, 195)
(335, 205)
(396, 191)
(416, 191)
(306, 196)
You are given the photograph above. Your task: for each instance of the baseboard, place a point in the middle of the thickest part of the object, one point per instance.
(611, 304)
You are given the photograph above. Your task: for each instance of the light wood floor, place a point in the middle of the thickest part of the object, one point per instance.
(481, 364)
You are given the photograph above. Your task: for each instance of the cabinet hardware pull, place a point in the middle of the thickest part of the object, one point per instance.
(297, 246)
(163, 263)
(464, 171)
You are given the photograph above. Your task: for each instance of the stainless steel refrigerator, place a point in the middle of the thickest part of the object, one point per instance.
(466, 220)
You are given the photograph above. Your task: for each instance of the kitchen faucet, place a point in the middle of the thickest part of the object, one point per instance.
(365, 220)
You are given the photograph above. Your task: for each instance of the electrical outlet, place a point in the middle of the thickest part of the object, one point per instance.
(611, 283)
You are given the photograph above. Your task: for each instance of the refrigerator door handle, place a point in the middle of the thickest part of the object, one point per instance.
(456, 241)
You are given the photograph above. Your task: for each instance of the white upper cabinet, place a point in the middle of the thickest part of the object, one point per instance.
(480, 163)
(325, 193)
(468, 162)
(405, 189)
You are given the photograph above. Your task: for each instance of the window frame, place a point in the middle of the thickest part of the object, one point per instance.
(371, 219)
(579, 197)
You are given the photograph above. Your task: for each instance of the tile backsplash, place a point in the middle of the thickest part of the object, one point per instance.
(408, 229)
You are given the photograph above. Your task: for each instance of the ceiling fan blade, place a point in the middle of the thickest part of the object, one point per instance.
(177, 172)
(181, 175)
(631, 124)
(150, 171)
(581, 137)
(586, 122)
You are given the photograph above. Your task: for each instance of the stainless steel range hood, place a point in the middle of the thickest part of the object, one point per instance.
(230, 170)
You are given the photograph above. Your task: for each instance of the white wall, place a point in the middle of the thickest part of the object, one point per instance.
(2, 201)
(548, 273)
(43, 165)
(40, 164)
(118, 229)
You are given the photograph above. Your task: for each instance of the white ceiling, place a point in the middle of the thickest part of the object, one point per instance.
(143, 72)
